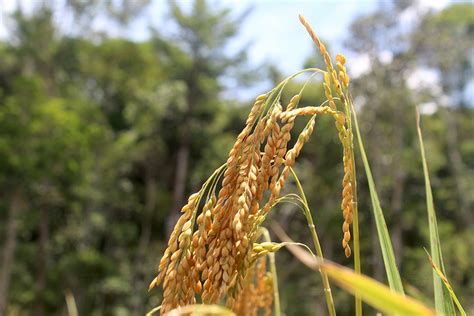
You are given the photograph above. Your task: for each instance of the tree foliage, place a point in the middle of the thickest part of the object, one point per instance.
(101, 138)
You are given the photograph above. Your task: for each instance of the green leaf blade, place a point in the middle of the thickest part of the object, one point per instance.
(375, 293)
(443, 301)
(393, 275)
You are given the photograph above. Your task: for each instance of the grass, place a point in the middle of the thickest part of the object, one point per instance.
(213, 254)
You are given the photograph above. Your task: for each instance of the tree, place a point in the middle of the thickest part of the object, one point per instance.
(444, 42)
(197, 58)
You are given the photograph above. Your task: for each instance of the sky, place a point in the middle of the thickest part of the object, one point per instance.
(272, 28)
(276, 34)
(275, 24)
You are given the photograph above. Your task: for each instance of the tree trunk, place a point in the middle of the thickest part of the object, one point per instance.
(399, 176)
(43, 242)
(8, 256)
(140, 278)
(193, 99)
(181, 172)
(456, 163)
(375, 155)
(396, 206)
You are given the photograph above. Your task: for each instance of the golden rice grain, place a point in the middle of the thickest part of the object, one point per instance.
(221, 259)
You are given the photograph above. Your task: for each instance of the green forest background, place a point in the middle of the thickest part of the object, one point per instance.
(102, 139)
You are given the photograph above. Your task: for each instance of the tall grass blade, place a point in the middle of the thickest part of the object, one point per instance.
(371, 291)
(443, 302)
(393, 275)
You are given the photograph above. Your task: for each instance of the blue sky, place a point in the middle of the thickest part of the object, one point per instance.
(272, 27)
(276, 34)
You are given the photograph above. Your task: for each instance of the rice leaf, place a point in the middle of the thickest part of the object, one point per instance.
(443, 302)
(375, 293)
(393, 275)
(371, 291)
(447, 285)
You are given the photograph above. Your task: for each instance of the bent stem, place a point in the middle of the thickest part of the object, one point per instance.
(276, 293)
(317, 246)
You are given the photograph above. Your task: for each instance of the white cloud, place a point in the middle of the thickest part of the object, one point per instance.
(428, 108)
(6, 7)
(437, 4)
(408, 16)
(358, 65)
(423, 78)
(386, 57)
(468, 94)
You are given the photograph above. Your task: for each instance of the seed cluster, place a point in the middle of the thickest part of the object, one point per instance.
(257, 293)
(212, 252)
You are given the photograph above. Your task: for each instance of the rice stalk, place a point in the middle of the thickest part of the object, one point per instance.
(317, 245)
(211, 251)
(349, 204)
(273, 270)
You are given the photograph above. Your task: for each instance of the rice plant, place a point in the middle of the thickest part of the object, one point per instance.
(216, 262)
